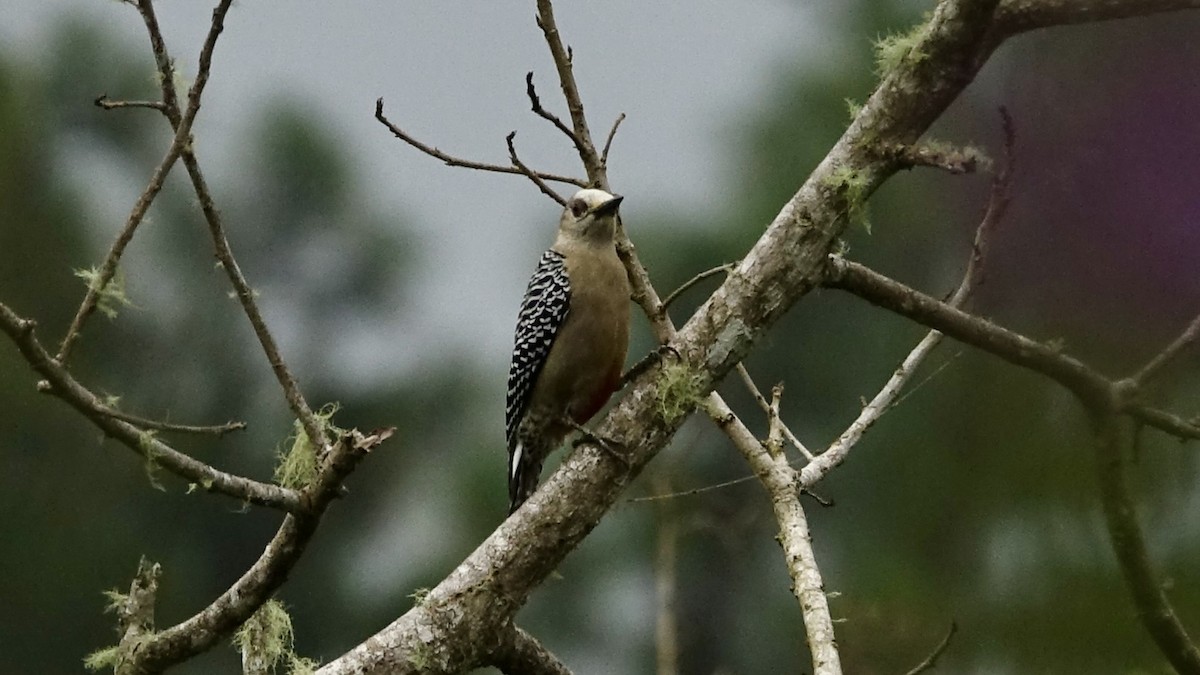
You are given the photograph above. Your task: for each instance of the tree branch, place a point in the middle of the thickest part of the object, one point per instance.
(936, 156)
(242, 290)
(998, 201)
(183, 128)
(183, 147)
(579, 132)
(596, 166)
(158, 425)
(219, 619)
(60, 383)
(535, 104)
(782, 484)
(1018, 16)
(766, 408)
(1153, 608)
(1156, 364)
(931, 660)
(1086, 383)
(158, 651)
(530, 174)
(522, 654)
(450, 160)
(103, 101)
(612, 133)
(458, 622)
(674, 295)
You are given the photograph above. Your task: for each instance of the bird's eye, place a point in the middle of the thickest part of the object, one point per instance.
(578, 209)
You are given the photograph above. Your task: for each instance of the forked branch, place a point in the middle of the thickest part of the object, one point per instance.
(60, 383)
(451, 160)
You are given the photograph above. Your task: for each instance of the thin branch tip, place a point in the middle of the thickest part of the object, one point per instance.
(451, 160)
(612, 133)
(533, 176)
(535, 103)
(930, 661)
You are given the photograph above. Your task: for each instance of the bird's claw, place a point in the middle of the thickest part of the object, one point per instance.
(605, 444)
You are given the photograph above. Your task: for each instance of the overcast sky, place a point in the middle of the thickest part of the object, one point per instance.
(452, 74)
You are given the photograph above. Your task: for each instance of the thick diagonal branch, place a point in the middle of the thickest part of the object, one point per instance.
(461, 618)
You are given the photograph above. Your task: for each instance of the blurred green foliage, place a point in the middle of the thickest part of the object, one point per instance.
(972, 501)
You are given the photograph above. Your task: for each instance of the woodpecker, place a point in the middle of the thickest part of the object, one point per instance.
(571, 339)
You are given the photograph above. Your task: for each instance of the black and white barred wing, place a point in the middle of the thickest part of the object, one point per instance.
(545, 307)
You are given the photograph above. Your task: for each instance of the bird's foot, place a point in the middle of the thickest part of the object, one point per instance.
(606, 444)
(646, 362)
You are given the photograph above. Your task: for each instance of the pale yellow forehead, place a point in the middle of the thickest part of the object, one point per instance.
(592, 197)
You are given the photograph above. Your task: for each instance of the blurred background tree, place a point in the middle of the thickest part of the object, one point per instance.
(973, 501)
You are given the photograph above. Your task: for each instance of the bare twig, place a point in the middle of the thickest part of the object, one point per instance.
(103, 101)
(158, 425)
(1017, 349)
(766, 408)
(520, 166)
(163, 61)
(774, 444)
(693, 491)
(998, 201)
(1153, 607)
(60, 383)
(536, 105)
(1163, 421)
(837, 451)
(579, 133)
(245, 296)
(782, 483)
(674, 295)
(216, 229)
(612, 133)
(931, 660)
(451, 160)
(888, 396)
(182, 125)
(1155, 365)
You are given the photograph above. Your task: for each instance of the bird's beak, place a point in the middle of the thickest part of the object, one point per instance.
(608, 207)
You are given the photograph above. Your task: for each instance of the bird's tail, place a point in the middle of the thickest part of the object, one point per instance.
(524, 470)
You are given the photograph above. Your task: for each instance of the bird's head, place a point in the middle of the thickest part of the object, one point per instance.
(590, 214)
